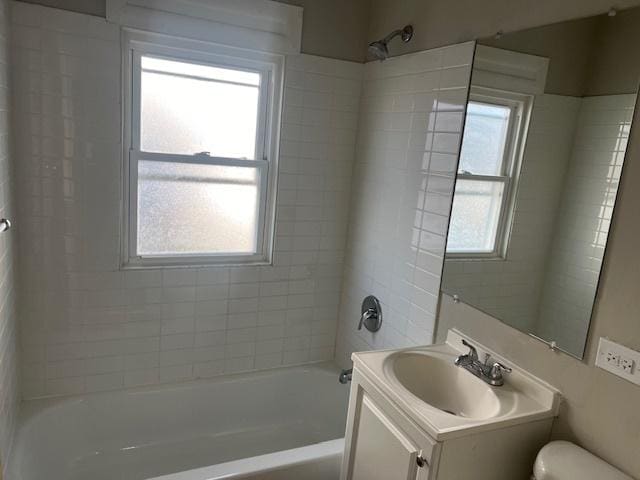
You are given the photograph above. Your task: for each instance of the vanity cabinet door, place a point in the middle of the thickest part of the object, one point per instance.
(381, 450)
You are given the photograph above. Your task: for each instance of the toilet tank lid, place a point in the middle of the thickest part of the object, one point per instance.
(562, 460)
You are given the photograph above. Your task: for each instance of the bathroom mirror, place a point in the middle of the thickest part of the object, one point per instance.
(544, 142)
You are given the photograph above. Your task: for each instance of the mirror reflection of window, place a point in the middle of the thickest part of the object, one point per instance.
(487, 171)
(485, 138)
(531, 216)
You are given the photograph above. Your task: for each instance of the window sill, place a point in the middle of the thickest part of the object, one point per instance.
(196, 265)
(462, 258)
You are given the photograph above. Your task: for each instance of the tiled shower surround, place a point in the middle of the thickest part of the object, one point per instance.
(409, 136)
(87, 325)
(9, 391)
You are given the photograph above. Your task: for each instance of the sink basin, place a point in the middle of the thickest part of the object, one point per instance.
(438, 382)
(447, 401)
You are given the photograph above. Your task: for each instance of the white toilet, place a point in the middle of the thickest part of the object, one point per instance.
(565, 461)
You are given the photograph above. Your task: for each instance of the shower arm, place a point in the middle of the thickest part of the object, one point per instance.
(406, 33)
(392, 35)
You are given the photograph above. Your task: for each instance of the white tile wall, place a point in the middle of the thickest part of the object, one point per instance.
(87, 326)
(408, 140)
(511, 289)
(582, 227)
(9, 388)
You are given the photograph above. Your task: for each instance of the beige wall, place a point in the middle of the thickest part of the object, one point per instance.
(615, 44)
(600, 411)
(568, 45)
(342, 28)
(443, 22)
(331, 28)
(585, 55)
(334, 28)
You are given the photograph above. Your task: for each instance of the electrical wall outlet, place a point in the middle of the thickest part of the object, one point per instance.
(612, 359)
(619, 360)
(626, 364)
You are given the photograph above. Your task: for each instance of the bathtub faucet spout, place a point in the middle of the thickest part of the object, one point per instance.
(345, 376)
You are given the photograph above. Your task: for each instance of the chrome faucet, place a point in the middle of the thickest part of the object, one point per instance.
(487, 371)
(470, 357)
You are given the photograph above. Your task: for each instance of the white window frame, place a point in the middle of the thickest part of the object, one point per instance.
(520, 105)
(270, 67)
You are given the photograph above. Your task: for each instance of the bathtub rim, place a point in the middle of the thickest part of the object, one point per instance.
(243, 468)
(32, 408)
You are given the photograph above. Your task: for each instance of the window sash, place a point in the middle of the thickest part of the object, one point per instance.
(495, 252)
(261, 147)
(520, 106)
(270, 68)
(484, 178)
(505, 161)
(178, 259)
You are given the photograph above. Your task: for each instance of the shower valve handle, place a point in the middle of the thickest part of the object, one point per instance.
(366, 315)
(371, 317)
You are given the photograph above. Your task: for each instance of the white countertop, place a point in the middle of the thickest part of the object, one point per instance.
(523, 398)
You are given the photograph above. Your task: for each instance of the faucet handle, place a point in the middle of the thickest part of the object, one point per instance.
(473, 353)
(487, 357)
(366, 315)
(496, 370)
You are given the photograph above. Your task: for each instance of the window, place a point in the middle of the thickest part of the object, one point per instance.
(200, 150)
(489, 161)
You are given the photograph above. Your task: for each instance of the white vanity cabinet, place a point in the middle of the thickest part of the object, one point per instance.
(383, 444)
(392, 434)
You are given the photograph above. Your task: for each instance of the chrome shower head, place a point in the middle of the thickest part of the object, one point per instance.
(379, 50)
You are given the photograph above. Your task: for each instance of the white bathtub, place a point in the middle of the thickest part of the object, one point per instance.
(279, 424)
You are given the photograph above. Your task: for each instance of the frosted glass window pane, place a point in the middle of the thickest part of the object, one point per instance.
(198, 70)
(196, 209)
(189, 108)
(475, 216)
(484, 139)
